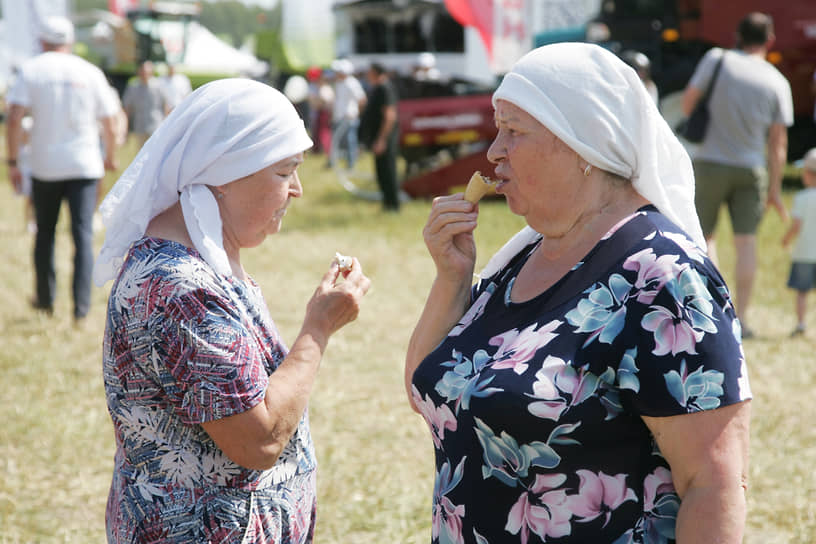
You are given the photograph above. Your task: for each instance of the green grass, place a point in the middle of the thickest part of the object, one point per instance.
(375, 454)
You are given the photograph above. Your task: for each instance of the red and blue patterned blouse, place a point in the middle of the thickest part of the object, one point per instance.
(182, 346)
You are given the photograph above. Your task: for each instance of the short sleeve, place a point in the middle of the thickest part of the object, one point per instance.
(785, 98)
(18, 92)
(390, 96)
(127, 97)
(798, 208)
(357, 89)
(107, 101)
(687, 356)
(212, 366)
(705, 69)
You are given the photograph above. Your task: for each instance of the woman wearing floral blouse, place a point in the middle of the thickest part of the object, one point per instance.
(591, 387)
(208, 404)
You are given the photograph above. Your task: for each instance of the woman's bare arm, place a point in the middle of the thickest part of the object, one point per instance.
(708, 455)
(255, 439)
(448, 235)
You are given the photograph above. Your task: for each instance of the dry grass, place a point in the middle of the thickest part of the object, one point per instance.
(375, 480)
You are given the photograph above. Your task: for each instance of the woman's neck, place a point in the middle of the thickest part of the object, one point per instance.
(170, 225)
(553, 258)
(591, 225)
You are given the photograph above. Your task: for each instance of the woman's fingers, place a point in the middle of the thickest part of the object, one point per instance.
(450, 216)
(356, 279)
(442, 206)
(336, 301)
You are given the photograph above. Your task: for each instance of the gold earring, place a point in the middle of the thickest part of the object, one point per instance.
(587, 170)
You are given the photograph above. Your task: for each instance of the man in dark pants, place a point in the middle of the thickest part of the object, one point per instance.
(381, 117)
(67, 98)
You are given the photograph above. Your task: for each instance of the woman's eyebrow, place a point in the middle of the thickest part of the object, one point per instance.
(292, 163)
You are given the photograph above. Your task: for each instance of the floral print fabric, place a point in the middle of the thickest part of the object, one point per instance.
(184, 346)
(535, 407)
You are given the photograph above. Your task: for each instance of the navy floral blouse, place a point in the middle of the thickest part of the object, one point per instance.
(535, 407)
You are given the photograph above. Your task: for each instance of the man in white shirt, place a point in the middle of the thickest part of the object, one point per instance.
(176, 86)
(349, 100)
(68, 99)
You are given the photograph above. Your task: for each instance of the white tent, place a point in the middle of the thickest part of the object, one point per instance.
(206, 53)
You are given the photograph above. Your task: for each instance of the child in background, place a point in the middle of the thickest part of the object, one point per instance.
(803, 228)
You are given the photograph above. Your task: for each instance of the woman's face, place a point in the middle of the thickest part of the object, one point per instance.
(253, 207)
(536, 171)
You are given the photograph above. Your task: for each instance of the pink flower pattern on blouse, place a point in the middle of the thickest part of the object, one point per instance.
(535, 407)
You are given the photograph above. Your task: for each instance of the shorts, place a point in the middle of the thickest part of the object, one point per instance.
(745, 190)
(802, 276)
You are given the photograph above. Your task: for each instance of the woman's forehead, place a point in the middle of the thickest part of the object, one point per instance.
(294, 160)
(507, 112)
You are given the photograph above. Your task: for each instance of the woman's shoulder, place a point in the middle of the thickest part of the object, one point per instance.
(660, 236)
(159, 262)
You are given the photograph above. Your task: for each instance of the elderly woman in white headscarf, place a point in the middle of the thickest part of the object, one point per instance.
(591, 386)
(208, 404)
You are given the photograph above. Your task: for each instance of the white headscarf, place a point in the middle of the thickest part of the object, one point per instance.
(225, 130)
(597, 105)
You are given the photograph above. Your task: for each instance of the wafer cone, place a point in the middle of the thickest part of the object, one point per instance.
(476, 188)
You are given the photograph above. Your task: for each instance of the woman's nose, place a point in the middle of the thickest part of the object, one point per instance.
(494, 153)
(296, 189)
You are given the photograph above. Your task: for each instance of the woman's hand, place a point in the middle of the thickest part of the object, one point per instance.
(448, 235)
(336, 301)
(255, 438)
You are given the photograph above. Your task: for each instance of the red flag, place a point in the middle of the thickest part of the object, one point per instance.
(475, 13)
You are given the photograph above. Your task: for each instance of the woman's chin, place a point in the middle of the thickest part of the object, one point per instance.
(273, 227)
(259, 238)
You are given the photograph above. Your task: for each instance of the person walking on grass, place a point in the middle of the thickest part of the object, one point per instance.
(382, 133)
(68, 99)
(803, 228)
(349, 101)
(741, 160)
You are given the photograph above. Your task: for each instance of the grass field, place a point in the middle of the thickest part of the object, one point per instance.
(375, 454)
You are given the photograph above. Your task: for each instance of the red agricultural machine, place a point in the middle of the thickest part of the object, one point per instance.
(443, 141)
(444, 136)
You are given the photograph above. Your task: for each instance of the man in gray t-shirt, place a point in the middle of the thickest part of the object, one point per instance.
(145, 101)
(741, 160)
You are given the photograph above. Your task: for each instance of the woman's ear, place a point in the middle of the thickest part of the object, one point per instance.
(217, 192)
